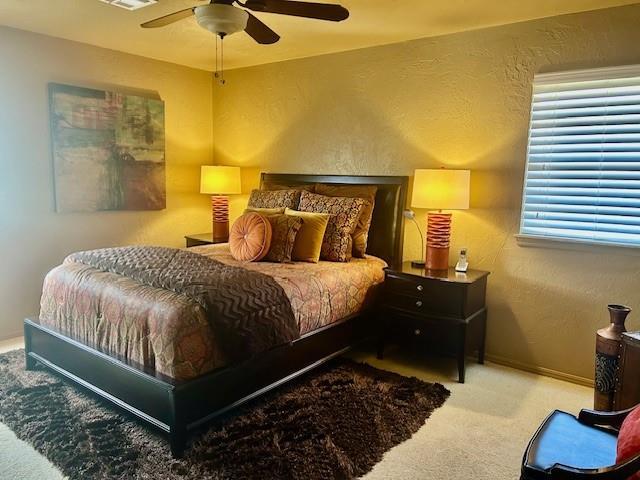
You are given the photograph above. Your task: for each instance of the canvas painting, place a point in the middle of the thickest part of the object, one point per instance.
(108, 150)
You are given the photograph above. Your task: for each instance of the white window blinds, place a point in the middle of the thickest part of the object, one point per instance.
(582, 179)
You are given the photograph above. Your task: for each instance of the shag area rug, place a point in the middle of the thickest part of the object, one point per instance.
(335, 422)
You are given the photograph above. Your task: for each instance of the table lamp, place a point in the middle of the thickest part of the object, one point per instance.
(440, 189)
(219, 181)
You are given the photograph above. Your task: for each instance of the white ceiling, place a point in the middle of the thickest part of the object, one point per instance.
(372, 22)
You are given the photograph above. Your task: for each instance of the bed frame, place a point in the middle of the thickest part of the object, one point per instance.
(179, 407)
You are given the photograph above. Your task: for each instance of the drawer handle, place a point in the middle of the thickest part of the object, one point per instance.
(419, 303)
(420, 288)
(417, 331)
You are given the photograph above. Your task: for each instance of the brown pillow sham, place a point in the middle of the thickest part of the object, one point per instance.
(345, 212)
(284, 230)
(366, 192)
(274, 199)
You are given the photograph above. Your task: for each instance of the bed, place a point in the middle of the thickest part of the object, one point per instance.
(179, 389)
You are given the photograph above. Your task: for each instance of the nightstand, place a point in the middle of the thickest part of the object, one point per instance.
(441, 311)
(201, 239)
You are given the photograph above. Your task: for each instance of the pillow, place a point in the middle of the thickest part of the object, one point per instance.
(284, 231)
(345, 212)
(265, 211)
(309, 187)
(629, 439)
(368, 194)
(309, 239)
(274, 199)
(250, 237)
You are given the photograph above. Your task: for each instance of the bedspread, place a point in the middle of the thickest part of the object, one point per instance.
(168, 332)
(247, 310)
(320, 293)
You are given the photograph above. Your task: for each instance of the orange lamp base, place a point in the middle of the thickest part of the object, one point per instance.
(437, 258)
(438, 239)
(220, 216)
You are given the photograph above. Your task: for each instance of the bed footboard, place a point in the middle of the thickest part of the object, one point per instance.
(177, 408)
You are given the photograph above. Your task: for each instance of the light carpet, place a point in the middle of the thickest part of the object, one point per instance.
(480, 433)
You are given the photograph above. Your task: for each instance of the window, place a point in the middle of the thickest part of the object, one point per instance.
(582, 181)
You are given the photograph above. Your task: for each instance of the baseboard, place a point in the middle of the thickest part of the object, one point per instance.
(547, 372)
(12, 336)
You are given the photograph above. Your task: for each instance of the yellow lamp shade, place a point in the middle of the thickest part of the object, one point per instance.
(441, 189)
(218, 180)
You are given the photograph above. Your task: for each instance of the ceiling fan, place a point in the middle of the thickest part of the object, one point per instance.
(222, 18)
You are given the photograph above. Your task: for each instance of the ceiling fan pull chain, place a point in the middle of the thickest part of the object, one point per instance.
(219, 72)
(222, 80)
(215, 72)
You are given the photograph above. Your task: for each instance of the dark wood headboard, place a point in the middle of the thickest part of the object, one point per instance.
(386, 235)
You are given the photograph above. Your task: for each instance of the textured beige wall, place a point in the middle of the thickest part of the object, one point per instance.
(33, 238)
(462, 101)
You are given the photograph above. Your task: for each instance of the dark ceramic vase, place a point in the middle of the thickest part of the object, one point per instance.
(607, 351)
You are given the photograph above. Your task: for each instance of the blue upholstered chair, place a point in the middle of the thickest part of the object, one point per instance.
(566, 447)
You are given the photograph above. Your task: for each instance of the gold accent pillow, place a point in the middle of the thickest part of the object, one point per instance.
(345, 212)
(309, 239)
(265, 211)
(368, 194)
(274, 199)
(284, 230)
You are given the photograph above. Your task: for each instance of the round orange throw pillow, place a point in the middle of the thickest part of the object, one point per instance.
(250, 237)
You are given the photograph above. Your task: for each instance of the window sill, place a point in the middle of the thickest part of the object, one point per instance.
(532, 241)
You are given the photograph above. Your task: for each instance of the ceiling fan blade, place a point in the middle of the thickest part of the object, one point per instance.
(320, 11)
(260, 32)
(167, 19)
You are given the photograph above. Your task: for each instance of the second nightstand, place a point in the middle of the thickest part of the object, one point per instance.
(200, 239)
(445, 310)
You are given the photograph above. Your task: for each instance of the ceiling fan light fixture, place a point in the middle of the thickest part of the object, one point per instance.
(221, 18)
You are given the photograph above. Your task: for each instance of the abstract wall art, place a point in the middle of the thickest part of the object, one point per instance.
(108, 150)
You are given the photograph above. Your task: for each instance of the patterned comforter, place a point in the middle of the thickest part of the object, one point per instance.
(168, 331)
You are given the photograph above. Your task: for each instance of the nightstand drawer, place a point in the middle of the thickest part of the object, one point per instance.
(436, 298)
(406, 286)
(415, 305)
(437, 335)
(403, 325)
